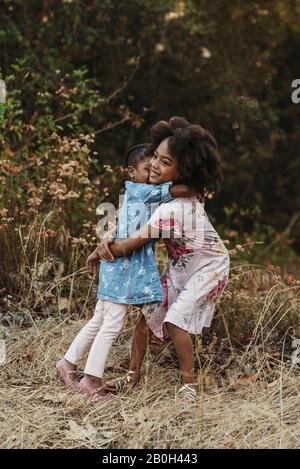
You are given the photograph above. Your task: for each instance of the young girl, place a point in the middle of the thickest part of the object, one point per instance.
(121, 282)
(198, 265)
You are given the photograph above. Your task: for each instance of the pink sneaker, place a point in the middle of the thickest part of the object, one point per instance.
(64, 374)
(85, 387)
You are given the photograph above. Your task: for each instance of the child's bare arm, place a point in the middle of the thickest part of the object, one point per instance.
(92, 262)
(182, 190)
(110, 249)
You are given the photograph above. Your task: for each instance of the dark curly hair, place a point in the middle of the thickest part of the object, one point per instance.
(194, 148)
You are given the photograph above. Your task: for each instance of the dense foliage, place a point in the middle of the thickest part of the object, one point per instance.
(86, 79)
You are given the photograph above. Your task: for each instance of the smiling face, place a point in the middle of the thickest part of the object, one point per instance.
(163, 167)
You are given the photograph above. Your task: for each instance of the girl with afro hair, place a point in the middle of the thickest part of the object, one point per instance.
(198, 261)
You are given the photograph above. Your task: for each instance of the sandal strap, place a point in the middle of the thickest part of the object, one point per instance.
(188, 390)
(121, 382)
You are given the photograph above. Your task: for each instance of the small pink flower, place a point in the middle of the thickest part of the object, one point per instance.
(218, 289)
(176, 251)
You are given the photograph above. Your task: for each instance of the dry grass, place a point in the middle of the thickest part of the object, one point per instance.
(37, 411)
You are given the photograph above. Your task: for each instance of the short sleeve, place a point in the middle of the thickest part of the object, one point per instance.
(160, 193)
(168, 219)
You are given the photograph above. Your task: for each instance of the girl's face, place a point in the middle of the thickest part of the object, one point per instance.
(163, 167)
(140, 172)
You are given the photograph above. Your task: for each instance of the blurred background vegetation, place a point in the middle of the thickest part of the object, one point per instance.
(86, 80)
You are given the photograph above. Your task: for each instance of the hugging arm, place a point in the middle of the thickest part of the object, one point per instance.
(182, 190)
(110, 249)
(124, 247)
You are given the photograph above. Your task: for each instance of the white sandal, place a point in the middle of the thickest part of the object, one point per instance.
(188, 391)
(118, 384)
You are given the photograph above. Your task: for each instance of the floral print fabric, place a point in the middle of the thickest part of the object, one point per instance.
(134, 279)
(197, 270)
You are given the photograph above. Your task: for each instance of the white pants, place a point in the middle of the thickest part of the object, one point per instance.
(97, 337)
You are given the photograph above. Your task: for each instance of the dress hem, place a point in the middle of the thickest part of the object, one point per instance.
(142, 301)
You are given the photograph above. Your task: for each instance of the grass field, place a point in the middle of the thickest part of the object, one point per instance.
(234, 410)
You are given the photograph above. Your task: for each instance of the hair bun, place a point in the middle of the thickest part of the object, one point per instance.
(160, 130)
(177, 122)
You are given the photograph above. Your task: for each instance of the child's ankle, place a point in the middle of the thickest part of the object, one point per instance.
(188, 378)
(94, 380)
(70, 365)
(134, 375)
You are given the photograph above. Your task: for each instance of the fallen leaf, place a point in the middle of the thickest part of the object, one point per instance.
(248, 379)
(78, 432)
(64, 303)
(210, 382)
(108, 434)
(243, 381)
(142, 414)
(57, 397)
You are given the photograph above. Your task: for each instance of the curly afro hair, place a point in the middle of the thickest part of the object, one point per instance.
(194, 148)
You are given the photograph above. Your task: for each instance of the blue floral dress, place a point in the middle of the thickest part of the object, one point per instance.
(197, 270)
(134, 279)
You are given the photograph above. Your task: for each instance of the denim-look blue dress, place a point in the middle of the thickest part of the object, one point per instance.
(134, 279)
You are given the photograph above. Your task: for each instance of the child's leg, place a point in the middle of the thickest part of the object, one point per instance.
(141, 338)
(184, 350)
(83, 341)
(113, 320)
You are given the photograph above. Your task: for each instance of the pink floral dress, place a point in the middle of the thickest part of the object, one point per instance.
(197, 270)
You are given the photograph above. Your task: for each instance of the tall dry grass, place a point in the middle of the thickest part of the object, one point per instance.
(232, 411)
(249, 386)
